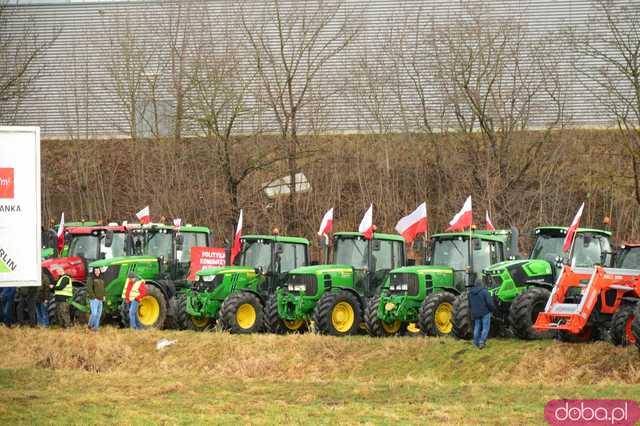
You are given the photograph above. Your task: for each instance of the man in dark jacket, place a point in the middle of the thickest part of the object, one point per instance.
(95, 292)
(42, 312)
(481, 307)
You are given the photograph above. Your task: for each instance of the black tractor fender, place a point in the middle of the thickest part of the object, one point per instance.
(167, 287)
(257, 294)
(361, 298)
(451, 290)
(539, 284)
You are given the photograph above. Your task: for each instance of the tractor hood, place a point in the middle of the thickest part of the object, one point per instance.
(71, 266)
(423, 269)
(506, 264)
(122, 260)
(322, 269)
(225, 270)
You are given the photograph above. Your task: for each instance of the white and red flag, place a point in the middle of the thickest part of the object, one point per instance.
(235, 248)
(366, 225)
(177, 222)
(60, 234)
(413, 224)
(144, 216)
(571, 232)
(463, 219)
(488, 225)
(327, 223)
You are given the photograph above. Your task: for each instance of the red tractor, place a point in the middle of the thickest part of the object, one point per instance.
(586, 302)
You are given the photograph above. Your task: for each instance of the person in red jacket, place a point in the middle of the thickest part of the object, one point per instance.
(133, 292)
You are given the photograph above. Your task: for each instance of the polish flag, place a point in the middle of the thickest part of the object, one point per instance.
(235, 249)
(366, 225)
(60, 234)
(463, 219)
(177, 222)
(327, 223)
(488, 224)
(144, 216)
(413, 224)
(571, 232)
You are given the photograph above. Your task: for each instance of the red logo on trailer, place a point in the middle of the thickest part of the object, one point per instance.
(6, 182)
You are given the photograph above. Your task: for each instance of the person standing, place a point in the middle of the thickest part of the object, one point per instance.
(481, 307)
(26, 306)
(7, 296)
(134, 290)
(42, 313)
(63, 292)
(95, 292)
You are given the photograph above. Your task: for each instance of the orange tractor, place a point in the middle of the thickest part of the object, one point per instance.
(586, 302)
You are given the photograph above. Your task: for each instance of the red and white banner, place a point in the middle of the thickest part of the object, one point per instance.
(144, 216)
(464, 218)
(366, 225)
(205, 258)
(235, 248)
(571, 232)
(413, 224)
(60, 244)
(488, 224)
(327, 223)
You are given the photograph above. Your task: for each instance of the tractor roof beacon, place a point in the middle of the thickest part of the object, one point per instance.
(521, 288)
(235, 296)
(334, 296)
(425, 294)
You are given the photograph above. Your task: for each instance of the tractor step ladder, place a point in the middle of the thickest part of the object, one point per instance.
(572, 317)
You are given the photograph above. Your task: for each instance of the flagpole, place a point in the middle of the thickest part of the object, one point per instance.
(470, 273)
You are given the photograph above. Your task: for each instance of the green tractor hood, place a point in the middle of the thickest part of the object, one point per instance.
(225, 270)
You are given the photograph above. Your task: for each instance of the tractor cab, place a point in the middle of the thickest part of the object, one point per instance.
(628, 256)
(591, 246)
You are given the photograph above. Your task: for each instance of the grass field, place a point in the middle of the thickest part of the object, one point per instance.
(78, 377)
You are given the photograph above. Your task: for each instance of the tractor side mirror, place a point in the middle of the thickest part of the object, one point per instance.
(411, 262)
(477, 245)
(279, 249)
(376, 245)
(428, 259)
(586, 240)
(103, 255)
(108, 239)
(314, 263)
(259, 270)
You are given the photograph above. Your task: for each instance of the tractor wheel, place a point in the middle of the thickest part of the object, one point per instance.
(635, 326)
(375, 326)
(436, 314)
(187, 322)
(621, 321)
(81, 297)
(588, 334)
(242, 313)
(153, 307)
(338, 314)
(524, 313)
(277, 325)
(411, 329)
(461, 320)
(51, 311)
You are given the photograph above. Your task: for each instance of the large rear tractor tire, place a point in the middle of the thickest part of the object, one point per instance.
(51, 311)
(80, 297)
(635, 325)
(524, 312)
(185, 321)
(338, 314)
(153, 308)
(436, 314)
(375, 326)
(622, 326)
(275, 324)
(462, 323)
(242, 313)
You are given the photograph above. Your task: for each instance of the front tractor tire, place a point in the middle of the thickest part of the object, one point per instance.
(635, 326)
(524, 313)
(461, 320)
(242, 313)
(436, 314)
(186, 321)
(375, 326)
(80, 297)
(338, 314)
(277, 325)
(622, 326)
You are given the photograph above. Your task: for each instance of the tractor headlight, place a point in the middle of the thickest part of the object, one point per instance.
(297, 287)
(399, 287)
(208, 278)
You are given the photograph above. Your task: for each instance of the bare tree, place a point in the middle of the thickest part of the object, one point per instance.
(611, 39)
(21, 54)
(292, 44)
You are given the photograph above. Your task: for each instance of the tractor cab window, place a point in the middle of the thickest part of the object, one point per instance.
(485, 254)
(287, 259)
(629, 259)
(389, 256)
(85, 246)
(548, 246)
(191, 239)
(256, 254)
(117, 248)
(160, 244)
(351, 251)
(452, 252)
(588, 249)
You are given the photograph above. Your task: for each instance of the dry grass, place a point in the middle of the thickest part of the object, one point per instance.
(81, 377)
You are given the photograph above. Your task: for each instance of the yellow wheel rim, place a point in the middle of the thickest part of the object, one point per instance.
(246, 316)
(343, 317)
(413, 328)
(293, 325)
(393, 327)
(200, 322)
(444, 312)
(148, 310)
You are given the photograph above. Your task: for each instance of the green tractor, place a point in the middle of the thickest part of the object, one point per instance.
(424, 294)
(235, 296)
(162, 257)
(521, 288)
(335, 296)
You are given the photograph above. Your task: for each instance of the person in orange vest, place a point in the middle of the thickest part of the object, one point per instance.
(134, 290)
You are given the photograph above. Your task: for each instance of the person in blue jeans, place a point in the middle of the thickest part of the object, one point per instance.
(481, 306)
(8, 295)
(95, 293)
(42, 312)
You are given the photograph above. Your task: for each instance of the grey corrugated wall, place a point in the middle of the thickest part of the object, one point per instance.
(75, 94)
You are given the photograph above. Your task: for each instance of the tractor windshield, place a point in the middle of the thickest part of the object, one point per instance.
(455, 253)
(588, 249)
(256, 253)
(629, 258)
(351, 251)
(85, 246)
(160, 244)
(547, 247)
(117, 248)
